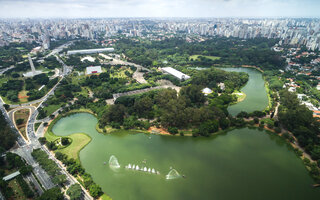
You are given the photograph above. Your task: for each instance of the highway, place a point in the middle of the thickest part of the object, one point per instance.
(25, 148)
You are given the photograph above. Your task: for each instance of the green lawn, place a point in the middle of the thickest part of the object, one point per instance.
(84, 91)
(105, 197)
(51, 108)
(79, 140)
(18, 193)
(195, 57)
(240, 95)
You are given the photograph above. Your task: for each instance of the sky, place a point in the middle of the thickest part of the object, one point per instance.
(158, 8)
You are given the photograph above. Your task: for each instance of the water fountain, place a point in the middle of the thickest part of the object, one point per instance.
(149, 170)
(145, 169)
(113, 162)
(153, 171)
(173, 174)
(137, 168)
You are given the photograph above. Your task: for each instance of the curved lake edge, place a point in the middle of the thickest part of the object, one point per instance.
(269, 106)
(213, 137)
(264, 130)
(266, 83)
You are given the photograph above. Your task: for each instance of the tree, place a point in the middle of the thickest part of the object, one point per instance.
(224, 123)
(6, 106)
(59, 179)
(143, 106)
(173, 130)
(74, 192)
(52, 194)
(193, 95)
(60, 156)
(25, 170)
(315, 153)
(115, 113)
(19, 121)
(95, 190)
(65, 141)
(42, 140)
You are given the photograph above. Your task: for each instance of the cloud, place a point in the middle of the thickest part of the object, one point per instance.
(158, 8)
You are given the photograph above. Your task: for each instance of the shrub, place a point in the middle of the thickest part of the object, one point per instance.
(173, 130)
(277, 130)
(42, 140)
(65, 141)
(270, 126)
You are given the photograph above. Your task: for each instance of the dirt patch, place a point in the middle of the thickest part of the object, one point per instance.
(159, 131)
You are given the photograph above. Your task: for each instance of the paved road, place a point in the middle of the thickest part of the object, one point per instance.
(59, 49)
(2, 71)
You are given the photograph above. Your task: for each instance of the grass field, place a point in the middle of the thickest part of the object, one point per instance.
(51, 108)
(18, 194)
(23, 96)
(105, 197)
(79, 140)
(195, 57)
(240, 96)
(22, 114)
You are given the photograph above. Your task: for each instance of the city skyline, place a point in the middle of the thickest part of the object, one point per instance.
(158, 8)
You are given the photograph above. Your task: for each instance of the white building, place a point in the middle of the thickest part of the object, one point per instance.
(206, 91)
(175, 73)
(222, 86)
(89, 51)
(93, 70)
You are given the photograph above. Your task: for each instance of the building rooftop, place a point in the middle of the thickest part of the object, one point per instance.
(93, 70)
(11, 176)
(175, 73)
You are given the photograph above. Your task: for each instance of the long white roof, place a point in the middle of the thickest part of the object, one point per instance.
(175, 73)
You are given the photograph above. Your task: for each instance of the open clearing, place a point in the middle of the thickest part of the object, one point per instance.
(22, 114)
(196, 57)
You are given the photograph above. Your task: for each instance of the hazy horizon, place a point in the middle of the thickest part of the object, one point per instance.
(159, 9)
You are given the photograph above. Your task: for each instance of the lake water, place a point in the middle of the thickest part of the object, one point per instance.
(243, 164)
(256, 98)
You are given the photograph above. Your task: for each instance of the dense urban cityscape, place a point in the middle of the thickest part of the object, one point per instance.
(299, 32)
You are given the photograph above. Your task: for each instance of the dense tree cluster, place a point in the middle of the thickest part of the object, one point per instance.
(13, 162)
(178, 111)
(7, 137)
(52, 194)
(12, 53)
(51, 63)
(210, 78)
(74, 167)
(74, 192)
(232, 51)
(11, 88)
(298, 119)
